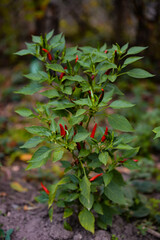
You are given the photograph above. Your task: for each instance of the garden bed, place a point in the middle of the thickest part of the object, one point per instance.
(29, 220)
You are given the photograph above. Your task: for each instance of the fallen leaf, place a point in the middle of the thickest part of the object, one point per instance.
(3, 194)
(18, 187)
(25, 157)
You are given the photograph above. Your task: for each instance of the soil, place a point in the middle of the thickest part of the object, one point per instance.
(30, 220)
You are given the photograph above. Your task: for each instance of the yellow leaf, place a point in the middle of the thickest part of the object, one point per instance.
(18, 187)
(25, 157)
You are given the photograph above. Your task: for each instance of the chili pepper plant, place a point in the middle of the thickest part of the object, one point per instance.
(78, 86)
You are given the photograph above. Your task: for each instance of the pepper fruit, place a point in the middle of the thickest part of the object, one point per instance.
(105, 51)
(76, 58)
(92, 77)
(104, 136)
(48, 54)
(78, 146)
(108, 71)
(62, 74)
(101, 96)
(44, 188)
(93, 131)
(89, 92)
(62, 131)
(93, 178)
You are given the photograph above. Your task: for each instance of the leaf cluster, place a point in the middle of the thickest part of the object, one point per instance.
(77, 84)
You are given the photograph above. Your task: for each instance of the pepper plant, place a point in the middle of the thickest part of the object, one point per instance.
(78, 86)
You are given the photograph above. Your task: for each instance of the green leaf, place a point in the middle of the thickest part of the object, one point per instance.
(123, 147)
(139, 73)
(114, 193)
(83, 153)
(157, 131)
(39, 76)
(51, 93)
(67, 212)
(131, 60)
(87, 220)
(103, 157)
(32, 142)
(57, 155)
(135, 50)
(23, 52)
(43, 198)
(107, 177)
(124, 48)
(49, 35)
(75, 120)
(36, 39)
(131, 164)
(80, 112)
(24, 112)
(120, 123)
(85, 187)
(98, 208)
(112, 78)
(71, 197)
(67, 226)
(54, 188)
(41, 131)
(8, 234)
(79, 137)
(87, 202)
(82, 102)
(121, 104)
(30, 89)
(56, 67)
(39, 158)
(75, 78)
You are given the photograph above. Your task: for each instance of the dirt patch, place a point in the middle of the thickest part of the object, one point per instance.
(30, 220)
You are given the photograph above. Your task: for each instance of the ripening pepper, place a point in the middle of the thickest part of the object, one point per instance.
(78, 146)
(101, 96)
(108, 71)
(48, 54)
(92, 77)
(105, 51)
(93, 178)
(76, 58)
(93, 131)
(62, 131)
(62, 74)
(44, 188)
(104, 136)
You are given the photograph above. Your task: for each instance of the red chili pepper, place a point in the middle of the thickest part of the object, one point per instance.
(135, 160)
(45, 50)
(89, 92)
(93, 178)
(62, 74)
(76, 58)
(48, 54)
(62, 131)
(66, 127)
(44, 188)
(93, 131)
(101, 96)
(108, 71)
(78, 146)
(104, 136)
(124, 160)
(92, 77)
(105, 51)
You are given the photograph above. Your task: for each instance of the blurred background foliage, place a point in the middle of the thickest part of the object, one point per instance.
(83, 22)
